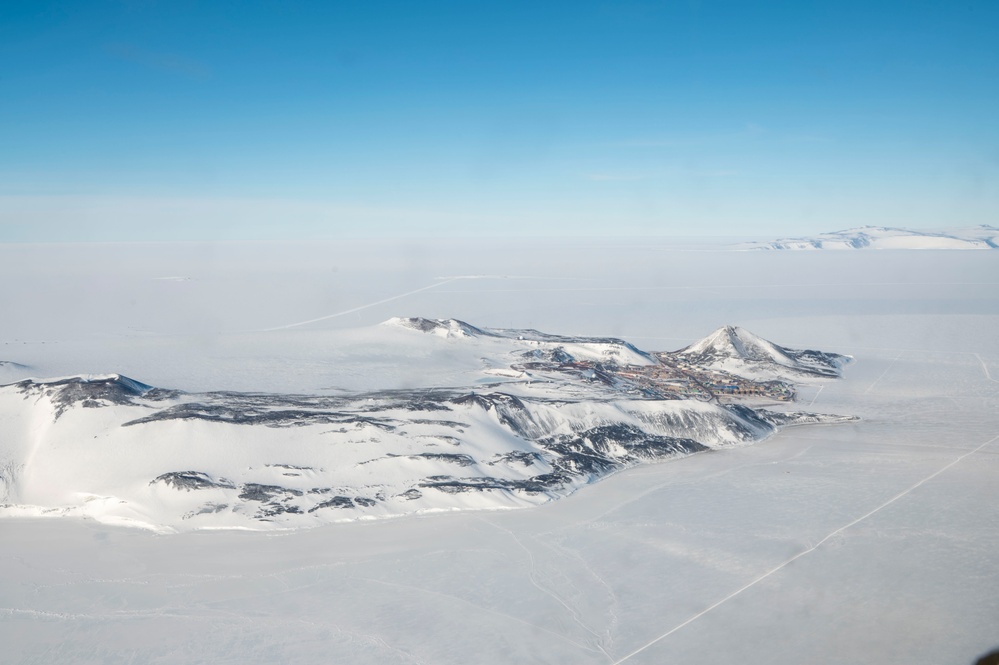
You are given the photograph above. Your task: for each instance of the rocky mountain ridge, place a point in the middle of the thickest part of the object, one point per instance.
(115, 449)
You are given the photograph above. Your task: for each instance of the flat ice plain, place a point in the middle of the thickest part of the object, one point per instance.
(868, 542)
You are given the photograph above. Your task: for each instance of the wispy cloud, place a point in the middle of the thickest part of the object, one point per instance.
(165, 62)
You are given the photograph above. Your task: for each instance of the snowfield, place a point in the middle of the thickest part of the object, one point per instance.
(867, 541)
(881, 237)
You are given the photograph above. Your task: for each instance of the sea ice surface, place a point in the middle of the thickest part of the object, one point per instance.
(873, 541)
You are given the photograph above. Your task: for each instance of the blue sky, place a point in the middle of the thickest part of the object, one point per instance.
(144, 120)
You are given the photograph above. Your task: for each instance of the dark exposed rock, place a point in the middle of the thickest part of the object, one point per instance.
(521, 456)
(509, 409)
(208, 509)
(233, 414)
(92, 392)
(745, 426)
(444, 423)
(273, 509)
(426, 405)
(592, 452)
(443, 438)
(255, 492)
(780, 419)
(192, 480)
(537, 484)
(335, 502)
(275, 499)
(452, 458)
(556, 356)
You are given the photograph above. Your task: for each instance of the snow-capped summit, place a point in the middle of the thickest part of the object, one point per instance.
(737, 351)
(736, 342)
(94, 383)
(88, 390)
(885, 237)
(442, 327)
(597, 349)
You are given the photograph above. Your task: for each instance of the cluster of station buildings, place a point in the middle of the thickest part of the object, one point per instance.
(664, 379)
(693, 381)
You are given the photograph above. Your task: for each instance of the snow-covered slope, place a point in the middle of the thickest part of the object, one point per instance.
(880, 237)
(118, 450)
(737, 351)
(10, 371)
(595, 349)
(447, 328)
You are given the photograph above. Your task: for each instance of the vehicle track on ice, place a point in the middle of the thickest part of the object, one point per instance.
(806, 552)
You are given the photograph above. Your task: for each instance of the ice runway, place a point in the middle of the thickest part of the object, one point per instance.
(359, 308)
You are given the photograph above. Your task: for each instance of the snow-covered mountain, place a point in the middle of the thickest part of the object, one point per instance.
(115, 449)
(881, 237)
(737, 351)
(606, 349)
(447, 328)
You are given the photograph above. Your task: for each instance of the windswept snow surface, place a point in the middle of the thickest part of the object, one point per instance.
(872, 541)
(883, 237)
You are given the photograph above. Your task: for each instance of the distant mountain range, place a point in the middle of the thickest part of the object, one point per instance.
(563, 412)
(882, 237)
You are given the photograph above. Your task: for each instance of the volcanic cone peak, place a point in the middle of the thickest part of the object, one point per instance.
(741, 352)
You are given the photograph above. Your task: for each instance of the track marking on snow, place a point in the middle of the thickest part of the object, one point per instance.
(360, 307)
(533, 576)
(614, 602)
(221, 616)
(803, 553)
(887, 369)
(817, 392)
(985, 368)
(482, 608)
